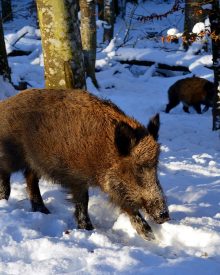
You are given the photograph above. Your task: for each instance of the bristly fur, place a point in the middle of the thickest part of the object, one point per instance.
(78, 140)
(191, 91)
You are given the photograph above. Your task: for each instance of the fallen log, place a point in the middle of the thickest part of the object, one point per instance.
(158, 65)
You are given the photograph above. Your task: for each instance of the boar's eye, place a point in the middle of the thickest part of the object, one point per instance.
(142, 169)
(146, 167)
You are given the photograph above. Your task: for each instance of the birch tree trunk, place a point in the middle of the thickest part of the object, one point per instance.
(4, 68)
(109, 17)
(88, 34)
(215, 29)
(61, 40)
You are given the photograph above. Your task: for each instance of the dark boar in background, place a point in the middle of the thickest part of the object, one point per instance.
(192, 91)
(78, 140)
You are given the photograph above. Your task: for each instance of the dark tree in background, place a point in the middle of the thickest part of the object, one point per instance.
(4, 68)
(109, 17)
(215, 29)
(6, 10)
(118, 5)
(88, 35)
(100, 4)
(192, 16)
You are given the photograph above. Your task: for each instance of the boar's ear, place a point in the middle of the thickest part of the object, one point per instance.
(124, 138)
(153, 126)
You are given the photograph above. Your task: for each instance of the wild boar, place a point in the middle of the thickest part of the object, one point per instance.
(192, 91)
(73, 138)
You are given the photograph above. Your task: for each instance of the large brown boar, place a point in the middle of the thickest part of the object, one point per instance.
(78, 140)
(192, 91)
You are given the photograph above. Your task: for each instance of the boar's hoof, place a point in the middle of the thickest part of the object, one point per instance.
(87, 225)
(39, 207)
(142, 227)
(147, 234)
(145, 231)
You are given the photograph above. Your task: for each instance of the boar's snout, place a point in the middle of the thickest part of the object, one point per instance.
(156, 210)
(163, 217)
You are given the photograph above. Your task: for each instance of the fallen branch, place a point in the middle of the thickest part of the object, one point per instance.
(159, 65)
(19, 53)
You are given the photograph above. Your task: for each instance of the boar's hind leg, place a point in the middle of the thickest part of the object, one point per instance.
(5, 188)
(185, 108)
(81, 199)
(141, 226)
(197, 107)
(173, 103)
(205, 109)
(34, 192)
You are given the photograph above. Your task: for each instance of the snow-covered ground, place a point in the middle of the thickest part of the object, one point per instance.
(189, 171)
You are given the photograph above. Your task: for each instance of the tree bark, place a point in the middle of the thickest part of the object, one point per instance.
(177, 68)
(109, 17)
(215, 29)
(4, 68)
(116, 8)
(6, 10)
(193, 15)
(88, 34)
(100, 4)
(61, 40)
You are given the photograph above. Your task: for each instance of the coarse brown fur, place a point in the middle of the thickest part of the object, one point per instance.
(78, 140)
(192, 91)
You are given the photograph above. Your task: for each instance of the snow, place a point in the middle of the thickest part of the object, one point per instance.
(189, 171)
(198, 27)
(172, 31)
(6, 88)
(28, 43)
(182, 59)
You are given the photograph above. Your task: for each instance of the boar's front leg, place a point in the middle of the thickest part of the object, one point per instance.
(5, 188)
(205, 109)
(34, 192)
(141, 226)
(81, 200)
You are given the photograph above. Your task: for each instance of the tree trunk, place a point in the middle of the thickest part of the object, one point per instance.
(215, 29)
(100, 9)
(123, 8)
(6, 10)
(193, 15)
(116, 8)
(109, 17)
(4, 68)
(100, 4)
(62, 48)
(88, 34)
